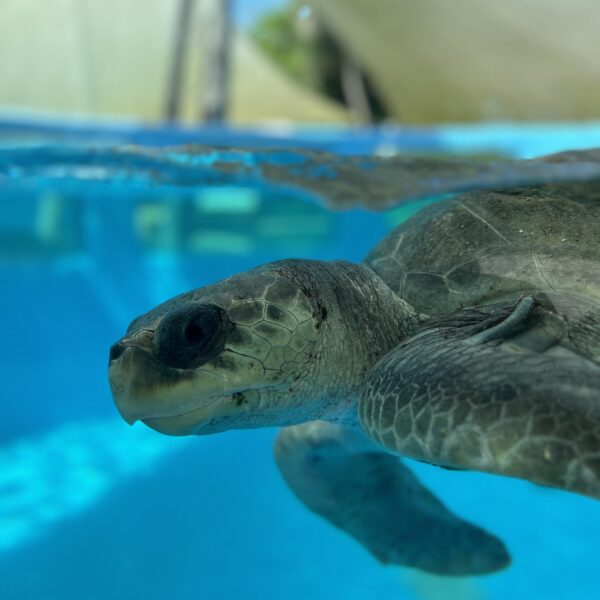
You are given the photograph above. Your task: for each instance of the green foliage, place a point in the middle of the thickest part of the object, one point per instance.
(277, 35)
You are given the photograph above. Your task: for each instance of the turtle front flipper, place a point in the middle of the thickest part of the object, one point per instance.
(512, 389)
(342, 476)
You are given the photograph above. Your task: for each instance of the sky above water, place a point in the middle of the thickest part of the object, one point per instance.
(247, 11)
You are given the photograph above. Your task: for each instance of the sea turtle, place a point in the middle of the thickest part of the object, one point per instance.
(469, 338)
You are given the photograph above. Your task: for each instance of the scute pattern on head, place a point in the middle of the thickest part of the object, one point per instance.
(276, 329)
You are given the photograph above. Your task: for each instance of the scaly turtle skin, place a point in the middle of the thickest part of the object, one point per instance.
(469, 338)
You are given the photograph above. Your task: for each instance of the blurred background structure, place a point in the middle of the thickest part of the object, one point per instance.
(115, 59)
(332, 61)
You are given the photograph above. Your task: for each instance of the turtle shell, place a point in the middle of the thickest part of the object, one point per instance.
(487, 245)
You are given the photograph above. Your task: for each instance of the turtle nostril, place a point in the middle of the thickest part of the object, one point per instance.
(115, 351)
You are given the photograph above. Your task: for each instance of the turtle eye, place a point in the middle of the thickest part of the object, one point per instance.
(192, 335)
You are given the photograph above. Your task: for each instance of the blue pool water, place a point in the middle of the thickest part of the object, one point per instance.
(91, 508)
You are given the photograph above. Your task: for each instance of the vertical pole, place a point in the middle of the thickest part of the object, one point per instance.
(216, 51)
(182, 34)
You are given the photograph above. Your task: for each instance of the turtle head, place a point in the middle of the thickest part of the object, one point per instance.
(238, 353)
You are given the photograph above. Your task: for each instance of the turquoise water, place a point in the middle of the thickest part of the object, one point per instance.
(91, 508)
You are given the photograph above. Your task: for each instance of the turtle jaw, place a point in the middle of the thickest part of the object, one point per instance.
(194, 422)
(215, 397)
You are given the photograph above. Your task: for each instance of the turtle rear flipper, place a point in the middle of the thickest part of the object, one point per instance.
(505, 389)
(371, 495)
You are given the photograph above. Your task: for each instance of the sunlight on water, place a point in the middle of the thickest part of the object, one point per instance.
(54, 477)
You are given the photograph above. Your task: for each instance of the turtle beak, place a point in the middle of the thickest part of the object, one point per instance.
(120, 357)
(121, 360)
